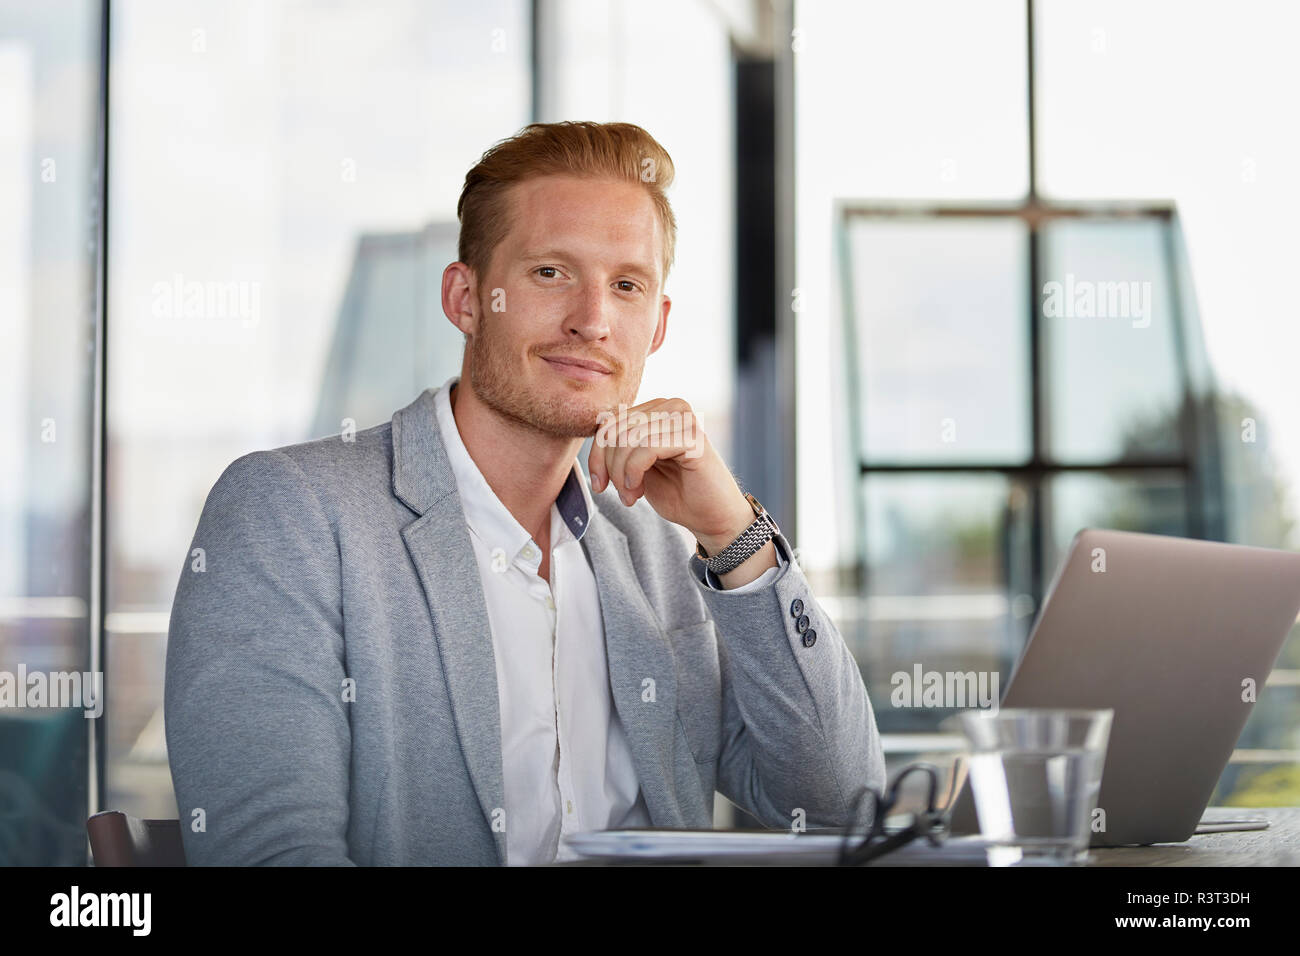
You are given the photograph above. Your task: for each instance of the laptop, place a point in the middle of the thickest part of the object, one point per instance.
(1172, 634)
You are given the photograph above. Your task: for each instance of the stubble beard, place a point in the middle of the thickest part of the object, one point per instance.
(572, 415)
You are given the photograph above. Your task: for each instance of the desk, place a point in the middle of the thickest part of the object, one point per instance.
(1279, 845)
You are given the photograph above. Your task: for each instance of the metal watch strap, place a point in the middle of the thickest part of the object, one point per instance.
(746, 544)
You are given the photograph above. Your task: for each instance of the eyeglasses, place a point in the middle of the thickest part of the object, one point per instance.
(862, 844)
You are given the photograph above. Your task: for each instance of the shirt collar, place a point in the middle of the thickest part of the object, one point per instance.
(484, 512)
(574, 502)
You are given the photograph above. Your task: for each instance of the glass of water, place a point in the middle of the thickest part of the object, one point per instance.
(1035, 775)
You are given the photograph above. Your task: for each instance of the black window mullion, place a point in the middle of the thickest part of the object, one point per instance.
(1037, 422)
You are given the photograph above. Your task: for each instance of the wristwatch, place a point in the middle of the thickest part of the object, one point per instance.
(745, 546)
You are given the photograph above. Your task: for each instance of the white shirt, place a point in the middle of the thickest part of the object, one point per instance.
(565, 759)
(566, 764)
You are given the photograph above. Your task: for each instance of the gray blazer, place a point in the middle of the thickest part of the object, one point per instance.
(331, 693)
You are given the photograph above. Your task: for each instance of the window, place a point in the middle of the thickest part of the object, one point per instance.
(287, 176)
(1005, 365)
(50, 181)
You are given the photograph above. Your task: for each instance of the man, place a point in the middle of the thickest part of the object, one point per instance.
(441, 643)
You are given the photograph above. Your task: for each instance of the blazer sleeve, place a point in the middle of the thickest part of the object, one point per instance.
(258, 735)
(798, 731)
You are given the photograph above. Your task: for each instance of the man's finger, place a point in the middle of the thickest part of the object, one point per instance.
(606, 431)
(615, 462)
(641, 460)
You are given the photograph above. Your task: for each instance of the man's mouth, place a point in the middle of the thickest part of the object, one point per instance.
(587, 370)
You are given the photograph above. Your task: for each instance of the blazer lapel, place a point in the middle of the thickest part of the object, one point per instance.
(440, 548)
(637, 651)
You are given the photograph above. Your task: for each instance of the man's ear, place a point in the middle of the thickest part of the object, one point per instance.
(662, 329)
(459, 297)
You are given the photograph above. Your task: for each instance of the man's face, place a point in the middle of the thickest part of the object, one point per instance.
(577, 279)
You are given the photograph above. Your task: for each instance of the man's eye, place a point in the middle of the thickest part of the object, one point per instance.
(546, 269)
(628, 282)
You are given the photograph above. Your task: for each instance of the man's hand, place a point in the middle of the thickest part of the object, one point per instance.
(657, 450)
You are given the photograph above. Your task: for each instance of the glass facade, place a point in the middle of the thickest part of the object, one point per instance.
(1005, 368)
(49, 254)
(287, 175)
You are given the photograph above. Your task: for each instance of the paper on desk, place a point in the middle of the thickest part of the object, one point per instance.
(814, 847)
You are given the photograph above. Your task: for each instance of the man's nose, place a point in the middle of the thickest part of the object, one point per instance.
(589, 316)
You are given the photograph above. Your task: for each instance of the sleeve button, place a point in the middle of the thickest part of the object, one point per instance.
(809, 637)
(796, 607)
(801, 625)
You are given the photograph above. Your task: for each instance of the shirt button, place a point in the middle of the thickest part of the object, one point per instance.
(499, 562)
(570, 805)
(550, 602)
(528, 551)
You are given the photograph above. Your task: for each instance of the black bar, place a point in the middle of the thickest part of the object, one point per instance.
(758, 442)
(99, 425)
(1188, 432)
(534, 61)
(1032, 192)
(1029, 211)
(1037, 400)
(1035, 469)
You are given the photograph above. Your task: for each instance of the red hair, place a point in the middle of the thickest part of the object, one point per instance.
(618, 151)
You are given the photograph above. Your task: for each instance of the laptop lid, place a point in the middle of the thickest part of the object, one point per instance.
(1177, 636)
